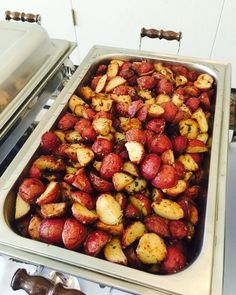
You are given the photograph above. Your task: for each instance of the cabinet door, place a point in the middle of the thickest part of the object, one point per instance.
(56, 16)
(118, 23)
(225, 43)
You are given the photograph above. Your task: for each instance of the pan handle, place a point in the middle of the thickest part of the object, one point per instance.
(161, 34)
(39, 285)
(21, 16)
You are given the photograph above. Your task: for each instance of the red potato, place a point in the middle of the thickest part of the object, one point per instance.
(83, 198)
(156, 125)
(150, 166)
(102, 147)
(204, 82)
(111, 164)
(146, 82)
(193, 214)
(50, 195)
(86, 92)
(103, 114)
(176, 190)
(34, 226)
(121, 200)
(178, 229)
(167, 157)
(73, 234)
(121, 180)
(81, 181)
(132, 257)
(204, 101)
(82, 124)
(181, 115)
(100, 184)
(95, 81)
(54, 210)
(193, 103)
(155, 111)
(142, 68)
(31, 189)
(89, 114)
(142, 203)
(196, 146)
(157, 195)
(82, 214)
(143, 113)
(191, 91)
(180, 70)
(113, 252)
(179, 169)
(108, 209)
(95, 241)
(35, 172)
(50, 230)
(136, 151)
(174, 261)
(61, 150)
(132, 233)
(67, 122)
(136, 135)
(114, 82)
(124, 90)
(159, 144)
(101, 83)
(49, 163)
(130, 168)
(71, 151)
(192, 192)
(84, 156)
(115, 230)
(49, 142)
(170, 111)
(134, 107)
(149, 135)
(165, 178)
(132, 212)
(158, 225)
(89, 134)
(164, 86)
(185, 203)
(101, 70)
(127, 74)
(122, 108)
(22, 208)
(179, 144)
(192, 76)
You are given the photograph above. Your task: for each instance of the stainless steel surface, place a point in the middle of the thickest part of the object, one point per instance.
(207, 269)
(16, 108)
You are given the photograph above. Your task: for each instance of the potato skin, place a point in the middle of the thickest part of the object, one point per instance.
(136, 135)
(50, 230)
(159, 144)
(157, 225)
(31, 189)
(73, 234)
(67, 122)
(165, 178)
(100, 184)
(95, 241)
(178, 229)
(102, 147)
(111, 164)
(174, 261)
(49, 142)
(150, 166)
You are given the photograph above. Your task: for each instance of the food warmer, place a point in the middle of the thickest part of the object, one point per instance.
(205, 274)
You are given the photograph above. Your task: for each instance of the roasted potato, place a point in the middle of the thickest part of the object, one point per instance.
(113, 252)
(73, 234)
(132, 233)
(95, 241)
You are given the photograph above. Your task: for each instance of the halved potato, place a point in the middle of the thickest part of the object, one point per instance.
(132, 233)
(101, 104)
(188, 128)
(188, 162)
(121, 180)
(113, 252)
(200, 117)
(130, 168)
(84, 156)
(151, 249)
(101, 84)
(112, 69)
(176, 190)
(115, 230)
(22, 207)
(168, 209)
(114, 82)
(138, 185)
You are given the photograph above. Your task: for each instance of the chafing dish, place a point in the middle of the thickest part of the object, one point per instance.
(205, 274)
